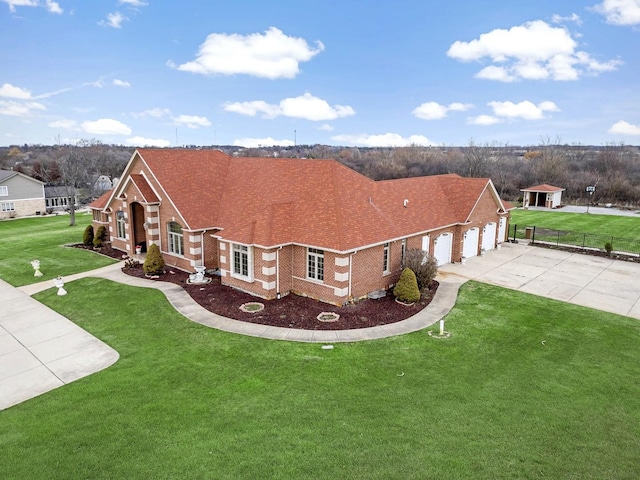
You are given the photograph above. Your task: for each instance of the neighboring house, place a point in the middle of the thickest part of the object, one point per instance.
(20, 195)
(542, 196)
(57, 198)
(272, 227)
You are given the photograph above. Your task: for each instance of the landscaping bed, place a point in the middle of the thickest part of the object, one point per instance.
(292, 311)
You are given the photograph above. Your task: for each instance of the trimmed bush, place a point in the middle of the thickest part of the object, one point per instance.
(406, 290)
(608, 247)
(154, 263)
(423, 265)
(87, 237)
(100, 236)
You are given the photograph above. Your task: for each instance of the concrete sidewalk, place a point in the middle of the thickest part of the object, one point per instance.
(41, 350)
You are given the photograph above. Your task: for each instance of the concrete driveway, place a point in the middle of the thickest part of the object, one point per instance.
(596, 282)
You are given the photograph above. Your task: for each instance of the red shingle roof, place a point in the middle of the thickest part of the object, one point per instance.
(269, 201)
(101, 202)
(543, 188)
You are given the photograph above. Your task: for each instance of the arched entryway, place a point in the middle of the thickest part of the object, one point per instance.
(137, 226)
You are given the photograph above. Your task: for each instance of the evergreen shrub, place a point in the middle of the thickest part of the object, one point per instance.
(100, 236)
(87, 237)
(406, 290)
(154, 263)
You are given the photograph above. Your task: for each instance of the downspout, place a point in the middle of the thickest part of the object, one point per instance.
(278, 296)
(202, 248)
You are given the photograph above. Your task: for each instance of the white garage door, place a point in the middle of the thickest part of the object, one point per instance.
(489, 236)
(502, 230)
(442, 248)
(470, 242)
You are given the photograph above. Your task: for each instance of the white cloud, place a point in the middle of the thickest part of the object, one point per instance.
(133, 3)
(574, 17)
(384, 140)
(624, 128)
(191, 121)
(106, 126)
(10, 91)
(20, 3)
(121, 83)
(483, 120)
(153, 112)
(532, 51)
(305, 106)
(64, 123)
(53, 7)
(620, 12)
(19, 109)
(435, 111)
(261, 142)
(269, 55)
(325, 127)
(526, 110)
(148, 142)
(114, 20)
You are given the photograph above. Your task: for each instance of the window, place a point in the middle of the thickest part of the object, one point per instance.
(176, 238)
(120, 225)
(8, 207)
(241, 260)
(315, 264)
(4, 191)
(385, 258)
(403, 251)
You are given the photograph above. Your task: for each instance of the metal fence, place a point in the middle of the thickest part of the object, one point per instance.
(582, 240)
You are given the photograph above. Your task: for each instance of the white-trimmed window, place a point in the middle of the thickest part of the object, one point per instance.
(385, 258)
(315, 264)
(4, 191)
(176, 238)
(403, 250)
(120, 225)
(8, 207)
(242, 261)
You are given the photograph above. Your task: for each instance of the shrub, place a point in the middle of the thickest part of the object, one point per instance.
(608, 247)
(154, 262)
(406, 290)
(422, 264)
(87, 237)
(100, 236)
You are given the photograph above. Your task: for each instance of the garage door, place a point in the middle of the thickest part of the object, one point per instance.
(442, 248)
(502, 230)
(470, 242)
(489, 236)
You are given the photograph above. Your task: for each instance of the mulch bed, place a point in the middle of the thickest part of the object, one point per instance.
(291, 311)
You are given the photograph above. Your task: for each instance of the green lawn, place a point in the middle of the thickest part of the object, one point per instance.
(524, 388)
(612, 225)
(26, 239)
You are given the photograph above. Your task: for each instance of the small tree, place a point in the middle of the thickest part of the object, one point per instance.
(154, 262)
(87, 237)
(406, 290)
(423, 265)
(100, 236)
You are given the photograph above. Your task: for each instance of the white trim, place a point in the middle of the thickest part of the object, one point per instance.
(195, 251)
(223, 259)
(268, 285)
(249, 251)
(341, 292)
(341, 261)
(194, 238)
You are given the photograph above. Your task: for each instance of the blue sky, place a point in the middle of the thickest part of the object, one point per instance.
(336, 72)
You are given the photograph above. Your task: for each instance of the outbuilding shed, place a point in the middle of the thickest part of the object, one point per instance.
(542, 196)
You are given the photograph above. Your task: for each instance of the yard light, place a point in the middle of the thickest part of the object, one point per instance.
(36, 266)
(590, 190)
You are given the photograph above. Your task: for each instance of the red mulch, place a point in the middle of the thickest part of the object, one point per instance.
(291, 311)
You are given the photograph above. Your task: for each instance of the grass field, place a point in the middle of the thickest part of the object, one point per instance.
(613, 225)
(26, 239)
(493, 401)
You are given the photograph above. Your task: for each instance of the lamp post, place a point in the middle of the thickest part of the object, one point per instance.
(590, 190)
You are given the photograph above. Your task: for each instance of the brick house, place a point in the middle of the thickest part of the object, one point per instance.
(271, 226)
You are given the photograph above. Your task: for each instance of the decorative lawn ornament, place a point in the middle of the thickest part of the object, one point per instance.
(36, 266)
(59, 284)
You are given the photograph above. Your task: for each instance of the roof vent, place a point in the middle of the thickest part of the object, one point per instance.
(405, 203)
